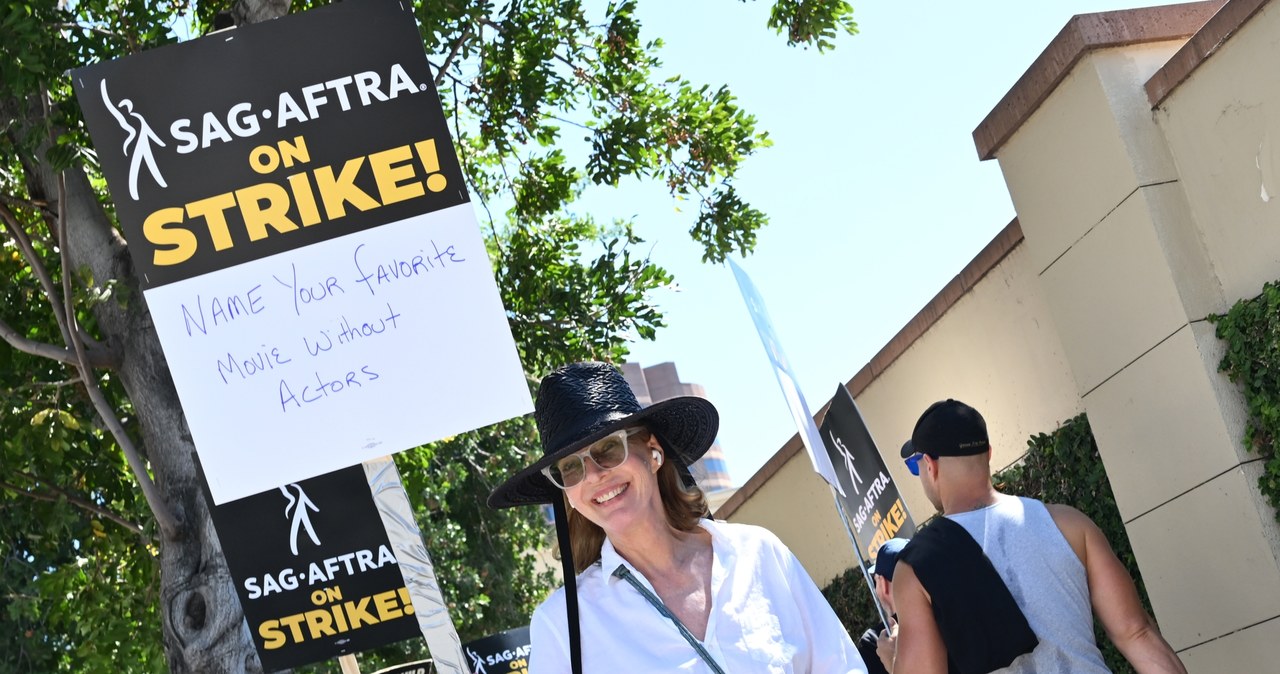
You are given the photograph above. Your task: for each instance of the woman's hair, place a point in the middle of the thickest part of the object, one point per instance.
(683, 505)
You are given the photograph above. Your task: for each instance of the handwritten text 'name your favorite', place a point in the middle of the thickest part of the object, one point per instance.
(205, 316)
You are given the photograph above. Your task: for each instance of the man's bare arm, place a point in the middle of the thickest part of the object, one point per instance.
(920, 647)
(1114, 596)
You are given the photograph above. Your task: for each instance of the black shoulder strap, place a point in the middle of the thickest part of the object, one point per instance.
(980, 622)
(570, 584)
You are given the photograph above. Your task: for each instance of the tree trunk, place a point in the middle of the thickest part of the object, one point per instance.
(204, 626)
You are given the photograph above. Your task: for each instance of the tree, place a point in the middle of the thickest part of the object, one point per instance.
(108, 547)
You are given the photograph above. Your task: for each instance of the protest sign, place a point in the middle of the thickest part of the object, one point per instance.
(871, 501)
(416, 667)
(314, 570)
(809, 434)
(502, 653)
(298, 220)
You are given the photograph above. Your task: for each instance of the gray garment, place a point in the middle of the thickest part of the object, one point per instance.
(1047, 581)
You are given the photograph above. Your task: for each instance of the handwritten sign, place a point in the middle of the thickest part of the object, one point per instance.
(305, 243)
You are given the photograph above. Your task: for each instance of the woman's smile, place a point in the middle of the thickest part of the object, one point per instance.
(610, 494)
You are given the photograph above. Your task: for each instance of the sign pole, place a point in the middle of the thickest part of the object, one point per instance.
(416, 567)
(348, 664)
(862, 562)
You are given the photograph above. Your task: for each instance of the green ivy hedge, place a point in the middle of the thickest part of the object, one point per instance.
(1251, 331)
(1059, 467)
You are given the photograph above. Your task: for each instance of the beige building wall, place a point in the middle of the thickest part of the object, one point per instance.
(987, 339)
(1131, 267)
(1142, 154)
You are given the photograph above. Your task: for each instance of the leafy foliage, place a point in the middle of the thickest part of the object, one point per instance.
(80, 551)
(1064, 467)
(1251, 330)
(79, 583)
(850, 597)
(1059, 467)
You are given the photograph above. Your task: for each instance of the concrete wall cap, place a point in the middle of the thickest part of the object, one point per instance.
(1082, 34)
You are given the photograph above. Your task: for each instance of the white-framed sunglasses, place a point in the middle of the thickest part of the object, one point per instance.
(607, 452)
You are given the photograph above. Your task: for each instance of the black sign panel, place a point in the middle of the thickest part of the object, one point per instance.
(270, 137)
(415, 667)
(871, 499)
(502, 653)
(314, 570)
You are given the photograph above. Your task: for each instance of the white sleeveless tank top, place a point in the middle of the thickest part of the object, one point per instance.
(1047, 581)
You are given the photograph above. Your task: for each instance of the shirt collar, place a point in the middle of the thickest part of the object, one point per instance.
(722, 553)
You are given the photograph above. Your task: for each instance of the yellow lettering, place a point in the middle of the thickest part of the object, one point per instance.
(391, 179)
(295, 151)
(264, 205)
(293, 622)
(436, 182)
(213, 210)
(358, 614)
(388, 606)
(270, 208)
(320, 623)
(335, 192)
(270, 632)
(183, 241)
(305, 199)
(264, 159)
(339, 617)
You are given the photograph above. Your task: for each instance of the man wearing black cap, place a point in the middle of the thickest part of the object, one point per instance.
(1052, 561)
(877, 645)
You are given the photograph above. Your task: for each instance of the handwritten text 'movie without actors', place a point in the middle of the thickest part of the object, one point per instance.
(310, 293)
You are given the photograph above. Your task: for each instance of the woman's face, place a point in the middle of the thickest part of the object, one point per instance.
(618, 498)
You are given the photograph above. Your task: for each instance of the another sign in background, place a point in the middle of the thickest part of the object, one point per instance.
(417, 667)
(871, 500)
(314, 571)
(502, 653)
(809, 434)
(299, 222)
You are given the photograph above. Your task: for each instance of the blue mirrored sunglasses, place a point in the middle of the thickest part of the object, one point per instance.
(913, 462)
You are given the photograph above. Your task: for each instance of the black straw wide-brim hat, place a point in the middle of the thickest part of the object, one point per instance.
(581, 403)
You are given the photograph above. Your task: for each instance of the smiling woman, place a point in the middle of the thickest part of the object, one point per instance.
(626, 509)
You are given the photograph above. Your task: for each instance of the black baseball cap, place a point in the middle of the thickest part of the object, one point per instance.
(887, 557)
(948, 428)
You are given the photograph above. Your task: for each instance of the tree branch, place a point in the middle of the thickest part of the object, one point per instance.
(46, 282)
(457, 133)
(453, 53)
(36, 205)
(47, 384)
(164, 516)
(58, 353)
(62, 494)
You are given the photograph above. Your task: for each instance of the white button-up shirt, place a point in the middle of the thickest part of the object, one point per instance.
(766, 616)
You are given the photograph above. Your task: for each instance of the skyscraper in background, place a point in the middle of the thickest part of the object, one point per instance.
(660, 382)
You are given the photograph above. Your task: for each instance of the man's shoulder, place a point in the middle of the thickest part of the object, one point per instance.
(1069, 519)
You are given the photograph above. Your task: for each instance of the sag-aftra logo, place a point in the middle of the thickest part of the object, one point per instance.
(243, 120)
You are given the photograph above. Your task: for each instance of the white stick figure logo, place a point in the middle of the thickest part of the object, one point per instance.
(301, 518)
(477, 663)
(140, 138)
(854, 477)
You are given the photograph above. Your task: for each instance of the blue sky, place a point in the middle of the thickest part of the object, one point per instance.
(874, 189)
